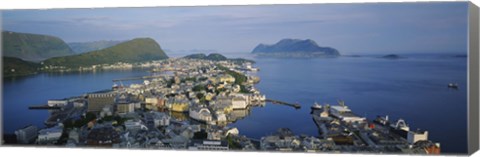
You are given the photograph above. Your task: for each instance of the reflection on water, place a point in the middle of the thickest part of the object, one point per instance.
(413, 89)
(179, 116)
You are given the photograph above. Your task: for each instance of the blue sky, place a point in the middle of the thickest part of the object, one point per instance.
(350, 28)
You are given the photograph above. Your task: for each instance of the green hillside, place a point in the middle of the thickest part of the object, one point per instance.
(81, 47)
(136, 50)
(33, 47)
(17, 67)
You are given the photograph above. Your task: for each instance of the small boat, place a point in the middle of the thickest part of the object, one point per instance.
(453, 85)
(316, 106)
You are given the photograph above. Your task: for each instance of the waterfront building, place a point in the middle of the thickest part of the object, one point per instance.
(96, 101)
(418, 135)
(201, 114)
(79, 103)
(238, 114)
(239, 102)
(223, 104)
(400, 125)
(231, 131)
(49, 135)
(257, 97)
(221, 117)
(345, 114)
(57, 103)
(27, 134)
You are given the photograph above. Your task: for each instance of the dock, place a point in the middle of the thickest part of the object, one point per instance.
(136, 78)
(296, 106)
(44, 107)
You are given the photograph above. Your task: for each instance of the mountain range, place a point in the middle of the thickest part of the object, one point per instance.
(135, 50)
(81, 47)
(33, 47)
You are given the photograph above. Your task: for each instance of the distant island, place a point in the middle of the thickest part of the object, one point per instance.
(190, 51)
(212, 56)
(356, 56)
(216, 57)
(136, 50)
(33, 47)
(81, 47)
(295, 48)
(392, 56)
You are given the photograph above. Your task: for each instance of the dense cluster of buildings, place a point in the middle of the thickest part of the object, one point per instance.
(188, 104)
(185, 104)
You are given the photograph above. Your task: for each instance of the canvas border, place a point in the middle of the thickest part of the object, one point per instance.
(473, 76)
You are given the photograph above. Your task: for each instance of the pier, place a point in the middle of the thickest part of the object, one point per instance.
(44, 107)
(135, 78)
(296, 106)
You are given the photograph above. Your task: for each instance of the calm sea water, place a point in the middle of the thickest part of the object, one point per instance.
(414, 88)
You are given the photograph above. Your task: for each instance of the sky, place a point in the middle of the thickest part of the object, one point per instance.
(350, 28)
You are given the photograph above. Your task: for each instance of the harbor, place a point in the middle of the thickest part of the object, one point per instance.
(338, 124)
(171, 103)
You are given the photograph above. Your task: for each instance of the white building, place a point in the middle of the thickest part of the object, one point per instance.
(26, 134)
(208, 145)
(221, 117)
(239, 103)
(232, 131)
(57, 103)
(106, 111)
(49, 135)
(345, 114)
(134, 125)
(78, 104)
(414, 136)
(201, 114)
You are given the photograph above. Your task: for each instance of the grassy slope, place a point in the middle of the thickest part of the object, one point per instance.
(17, 67)
(136, 50)
(33, 46)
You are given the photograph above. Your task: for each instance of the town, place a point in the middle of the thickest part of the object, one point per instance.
(188, 103)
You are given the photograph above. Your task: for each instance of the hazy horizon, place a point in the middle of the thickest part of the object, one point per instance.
(374, 28)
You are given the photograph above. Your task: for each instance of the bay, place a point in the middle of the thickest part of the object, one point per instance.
(412, 88)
